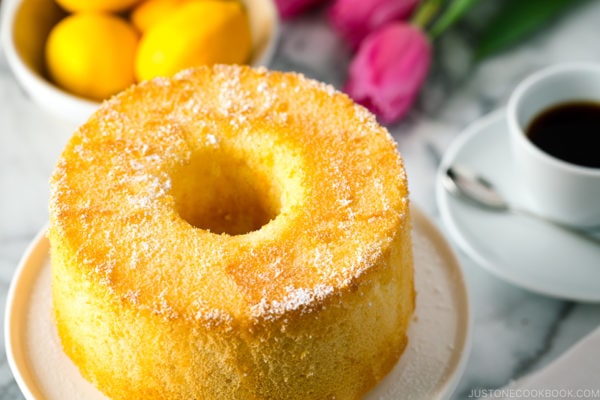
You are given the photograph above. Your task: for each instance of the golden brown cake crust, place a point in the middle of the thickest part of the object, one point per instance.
(247, 231)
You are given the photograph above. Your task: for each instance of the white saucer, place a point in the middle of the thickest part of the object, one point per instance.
(519, 249)
(429, 369)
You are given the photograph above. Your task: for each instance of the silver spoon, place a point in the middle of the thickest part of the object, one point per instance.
(468, 185)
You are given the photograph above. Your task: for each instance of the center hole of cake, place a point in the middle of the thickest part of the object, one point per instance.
(224, 194)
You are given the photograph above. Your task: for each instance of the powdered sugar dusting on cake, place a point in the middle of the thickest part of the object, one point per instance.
(235, 100)
(295, 299)
(132, 296)
(209, 314)
(298, 297)
(304, 299)
(162, 307)
(151, 188)
(104, 270)
(211, 140)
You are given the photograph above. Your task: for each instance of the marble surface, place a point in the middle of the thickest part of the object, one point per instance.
(515, 332)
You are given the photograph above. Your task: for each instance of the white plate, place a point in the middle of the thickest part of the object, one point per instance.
(429, 369)
(519, 249)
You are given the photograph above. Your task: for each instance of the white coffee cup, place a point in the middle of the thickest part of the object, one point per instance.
(557, 189)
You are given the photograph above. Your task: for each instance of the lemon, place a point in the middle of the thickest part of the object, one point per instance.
(92, 54)
(149, 12)
(196, 33)
(96, 5)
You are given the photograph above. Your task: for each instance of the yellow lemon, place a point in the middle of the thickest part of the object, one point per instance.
(149, 12)
(196, 33)
(92, 54)
(96, 5)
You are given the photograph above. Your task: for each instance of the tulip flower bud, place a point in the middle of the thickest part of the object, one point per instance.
(291, 8)
(388, 70)
(355, 19)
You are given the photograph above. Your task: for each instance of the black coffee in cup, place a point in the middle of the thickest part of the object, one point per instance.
(570, 132)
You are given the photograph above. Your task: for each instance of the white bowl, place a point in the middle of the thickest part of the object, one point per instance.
(25, 25)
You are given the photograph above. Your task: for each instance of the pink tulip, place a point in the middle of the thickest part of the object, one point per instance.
(355, 19)
(389, 69)
(291, 8)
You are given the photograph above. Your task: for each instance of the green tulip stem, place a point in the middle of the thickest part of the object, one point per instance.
(453, 12)
(425, 13)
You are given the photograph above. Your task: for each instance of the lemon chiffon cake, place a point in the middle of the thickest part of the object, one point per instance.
(231, 233)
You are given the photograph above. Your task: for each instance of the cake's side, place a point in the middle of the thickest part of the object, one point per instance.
(340, 349)
(231, 233)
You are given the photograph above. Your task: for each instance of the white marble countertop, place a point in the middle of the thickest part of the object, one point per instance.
(515, 332)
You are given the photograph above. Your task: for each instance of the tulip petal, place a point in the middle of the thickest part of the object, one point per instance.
(355, 19)
(389, 69)
(291, 8)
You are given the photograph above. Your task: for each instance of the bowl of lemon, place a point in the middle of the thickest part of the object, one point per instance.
(70, 55)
